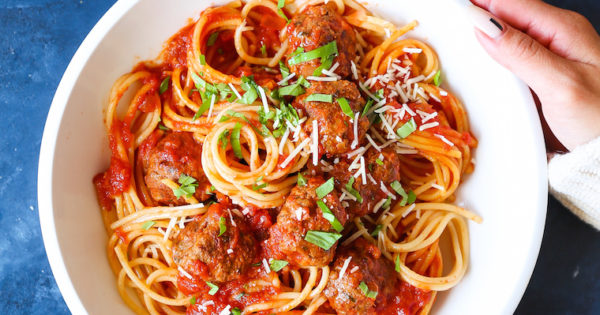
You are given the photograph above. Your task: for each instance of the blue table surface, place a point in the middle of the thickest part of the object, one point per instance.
(37, 41)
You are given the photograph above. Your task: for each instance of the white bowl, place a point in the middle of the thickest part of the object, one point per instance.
(508, 188)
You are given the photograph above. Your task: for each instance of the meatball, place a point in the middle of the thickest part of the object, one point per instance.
(384, 167)
(300, 214)
(175, 155)
(202, 252)
(336, 129)
(345, 294)
(317, 26)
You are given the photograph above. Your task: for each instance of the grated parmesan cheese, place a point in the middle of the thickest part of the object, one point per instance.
(263, 97)
(284, 80)
(294, 153)
(315, 143)
(344, 267)
(429, 125)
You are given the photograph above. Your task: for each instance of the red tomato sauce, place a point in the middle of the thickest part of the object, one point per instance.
(406, 300)
(117, 178)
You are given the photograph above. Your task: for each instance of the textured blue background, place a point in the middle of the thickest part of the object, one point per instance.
(38, 39)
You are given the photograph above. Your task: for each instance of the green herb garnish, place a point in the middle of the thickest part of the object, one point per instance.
(406, 129)
(325, 188)
(437, 78)
(325, 240)
(365, 290)
(235, 140)
(329, 216)
(323, 51)
(277, 265)
(187, 186)
(345, 107)
(375, 232)
(301, 180)
(164, 85)
(222, 225)
(213, 288)
(212, 39)
(320, 98)
(147, 225)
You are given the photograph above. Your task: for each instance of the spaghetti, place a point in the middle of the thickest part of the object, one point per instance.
(286, 157)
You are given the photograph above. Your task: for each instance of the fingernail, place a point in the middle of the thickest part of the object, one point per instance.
(485, 21)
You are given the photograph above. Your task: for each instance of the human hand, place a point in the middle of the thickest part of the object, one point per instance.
(554, 51)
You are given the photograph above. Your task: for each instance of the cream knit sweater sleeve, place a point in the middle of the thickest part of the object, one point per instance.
(575, 181)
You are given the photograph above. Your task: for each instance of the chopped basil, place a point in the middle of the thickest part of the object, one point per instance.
(212, 39)
(224, 139)
(387, 203)
(285, 71)
(397, 263)
(147, 225)
(193, 300)
(329, 216)
(325, 240)
(437, 78)
(187, 186)
(277, 265)
(345, 107)
(263, 50)
(256, 187)
(202, 59)
(212, 188)
(379, 94)
(326, 63)
(321, 52)
(320, 98)
(375, 232)
(367, 107)
(406, 129)
(365, 290)
(353, 191)
(235, 140)
(398, 188)
(292, 90)
(325, 189)
(412, 197)
(379, 162)
(301, 180)
(251, 89)
(203, 108)
(263, 117)
(163, 127)
(280, 5)
(213, 288)
(230, 114)
(236, 311)
(222, 226)
(164, 85)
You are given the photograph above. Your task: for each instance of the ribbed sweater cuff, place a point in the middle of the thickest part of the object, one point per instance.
(574, 180)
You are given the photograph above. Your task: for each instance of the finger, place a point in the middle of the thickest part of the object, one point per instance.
(555, 28)
(521, 54)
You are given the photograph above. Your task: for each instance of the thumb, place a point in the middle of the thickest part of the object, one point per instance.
(517, 51)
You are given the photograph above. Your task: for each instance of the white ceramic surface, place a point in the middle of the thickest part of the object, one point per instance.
(508, 188)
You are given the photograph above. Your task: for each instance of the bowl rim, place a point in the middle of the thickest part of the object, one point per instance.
(48, 146)
(50, 136)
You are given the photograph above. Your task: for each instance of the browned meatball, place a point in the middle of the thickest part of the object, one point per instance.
(300, 214)
(345, 294)
(371, 194)
(317, 26)
(175, 155)
(202, 252)
(336, 129)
